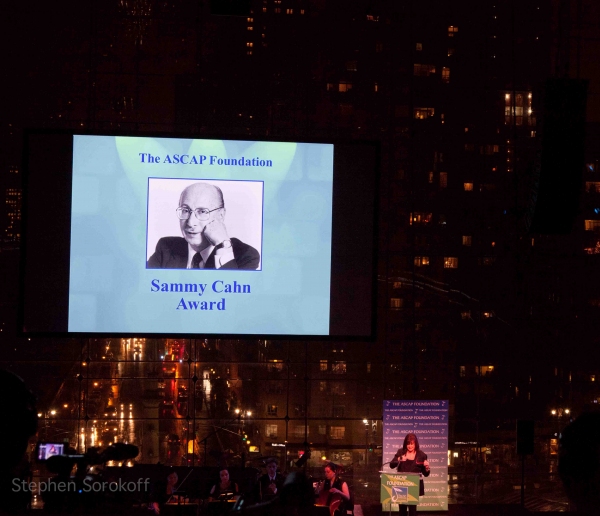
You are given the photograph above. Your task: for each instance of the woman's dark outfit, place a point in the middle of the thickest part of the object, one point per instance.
(411, 466)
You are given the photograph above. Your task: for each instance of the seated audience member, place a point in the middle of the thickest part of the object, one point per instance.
(579, 462)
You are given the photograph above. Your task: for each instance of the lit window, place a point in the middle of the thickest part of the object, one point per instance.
(465, 315)
(445, 74)
(450, 262)
(337, 432)
(590, 167)
(299, 431)
(338, 367)
(395, 303)
(421, 261)
(421, 113)
(272, 410)
(466, 240)
(443, 179)
(468, 187)
(419, 46)
(593, 250)
(322, 386)
(323, 365)
(275, 366)
(592, 378)
(271, 431)
(463, 371)
(592, 186)
(484, 370)
(250, 28)
(277, 10)
(420, 217)
(345, 86)
(301, 11)
(376, 87)
(423, 70)
(249, 44)
(592, 225)
(430, 177)
(250, 20)
(520, 109)
(452, 30)
(289, 11)
(450, 52)
(371, 17)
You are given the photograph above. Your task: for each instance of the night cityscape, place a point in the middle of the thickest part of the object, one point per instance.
(487, 119)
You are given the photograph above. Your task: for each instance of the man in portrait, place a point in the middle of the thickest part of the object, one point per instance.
(205, 242)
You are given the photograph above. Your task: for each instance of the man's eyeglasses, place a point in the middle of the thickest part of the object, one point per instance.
(184, 213)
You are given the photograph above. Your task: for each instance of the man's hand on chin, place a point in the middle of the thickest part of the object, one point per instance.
(215, 232)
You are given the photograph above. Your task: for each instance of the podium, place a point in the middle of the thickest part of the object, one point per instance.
(399, 489)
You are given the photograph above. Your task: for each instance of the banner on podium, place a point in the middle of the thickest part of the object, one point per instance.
(399, 489)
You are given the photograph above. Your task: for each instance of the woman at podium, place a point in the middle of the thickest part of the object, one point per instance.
(410, 459)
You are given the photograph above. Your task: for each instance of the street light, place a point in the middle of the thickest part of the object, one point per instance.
(558, 414)
(366, 422)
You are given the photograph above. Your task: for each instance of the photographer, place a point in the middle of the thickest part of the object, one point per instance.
(18, 424)
(83, 490)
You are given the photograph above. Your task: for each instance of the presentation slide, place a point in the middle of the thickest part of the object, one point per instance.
(152, 235)
(186, 236)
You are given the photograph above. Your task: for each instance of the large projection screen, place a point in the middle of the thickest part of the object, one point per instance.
(140, 235)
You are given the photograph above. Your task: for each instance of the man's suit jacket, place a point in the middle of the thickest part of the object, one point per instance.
(172, 253)
(263, 492)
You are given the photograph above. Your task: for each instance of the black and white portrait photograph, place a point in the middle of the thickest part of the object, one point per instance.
(204, 224)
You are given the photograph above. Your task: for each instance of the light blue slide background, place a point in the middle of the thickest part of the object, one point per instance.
(110, 287)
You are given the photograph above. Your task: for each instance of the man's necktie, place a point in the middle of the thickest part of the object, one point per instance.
(197, 261)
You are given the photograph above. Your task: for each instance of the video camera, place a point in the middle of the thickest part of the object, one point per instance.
(65, 492)
(58, 456)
